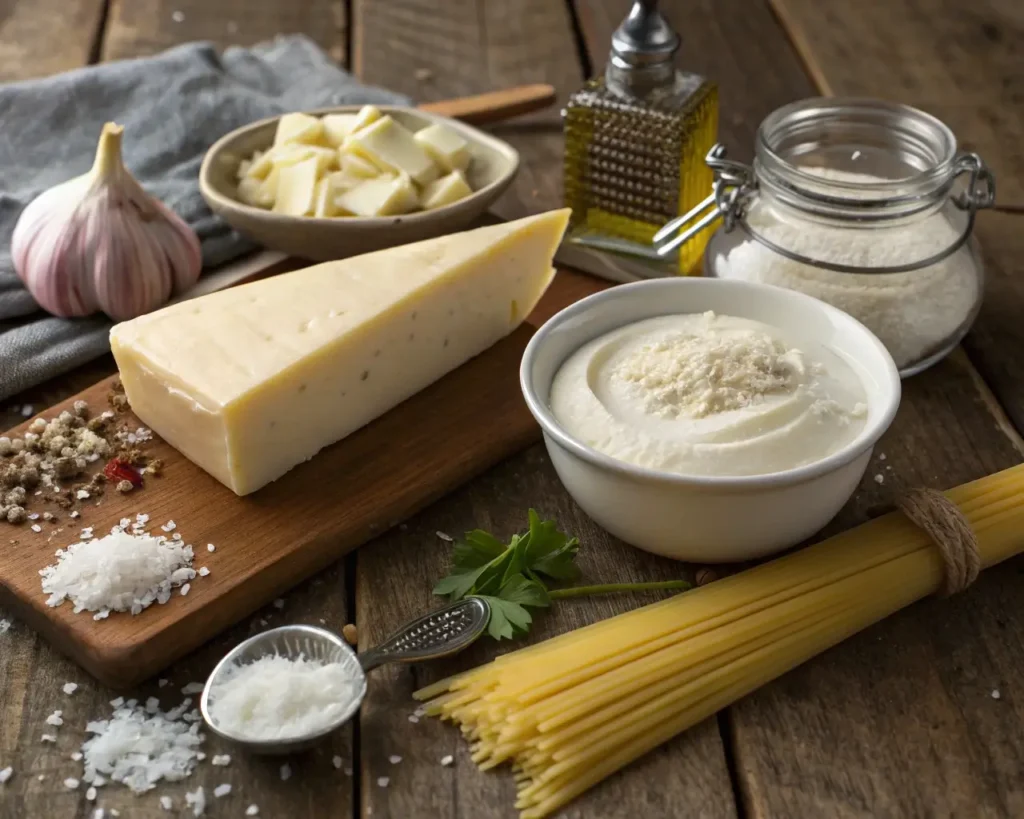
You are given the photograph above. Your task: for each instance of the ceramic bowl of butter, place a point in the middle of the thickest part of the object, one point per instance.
(405, 175)
(705, 419)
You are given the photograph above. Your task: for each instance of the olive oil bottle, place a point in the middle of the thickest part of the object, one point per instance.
(636, 139)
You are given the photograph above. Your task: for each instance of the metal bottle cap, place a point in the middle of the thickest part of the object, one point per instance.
(644, 38)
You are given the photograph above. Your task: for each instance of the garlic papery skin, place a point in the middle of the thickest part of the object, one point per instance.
(100, 243)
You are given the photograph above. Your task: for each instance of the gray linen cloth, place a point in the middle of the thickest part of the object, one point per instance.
(173, 106)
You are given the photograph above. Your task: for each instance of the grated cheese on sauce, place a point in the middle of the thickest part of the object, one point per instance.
(276, 698)
(118, 572)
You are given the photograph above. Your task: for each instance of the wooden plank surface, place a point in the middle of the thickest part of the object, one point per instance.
(430, 51)
(140, 27)
(45, 37)
(901, 720)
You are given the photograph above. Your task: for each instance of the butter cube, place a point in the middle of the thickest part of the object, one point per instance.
(296, 188)
(253, 192)
(367, 114)
(383, 196)
(355, 165)
(298, 127)
(337, 127)
(391, 147)
(326, 158)
(446, 147)
(444, 191)
(261, 165)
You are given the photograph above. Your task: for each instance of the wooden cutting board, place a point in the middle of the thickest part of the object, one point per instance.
(271, 540)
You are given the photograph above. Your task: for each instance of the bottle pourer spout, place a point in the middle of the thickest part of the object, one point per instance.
(644, 38)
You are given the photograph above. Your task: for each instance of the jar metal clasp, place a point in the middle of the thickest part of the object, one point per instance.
(736, 184)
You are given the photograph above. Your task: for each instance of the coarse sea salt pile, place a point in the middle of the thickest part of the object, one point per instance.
(276, 697)
(138, 746)
(123, 571)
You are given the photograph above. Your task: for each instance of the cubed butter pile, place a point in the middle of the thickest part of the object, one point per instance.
(363, 164)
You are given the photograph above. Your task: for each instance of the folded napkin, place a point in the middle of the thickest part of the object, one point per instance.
(173, 106)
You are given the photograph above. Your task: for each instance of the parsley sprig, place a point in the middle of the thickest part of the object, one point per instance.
(515, 577)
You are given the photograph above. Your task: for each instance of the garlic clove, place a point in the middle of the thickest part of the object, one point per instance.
(100, 243)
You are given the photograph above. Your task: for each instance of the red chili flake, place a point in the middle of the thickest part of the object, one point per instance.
(118, 470)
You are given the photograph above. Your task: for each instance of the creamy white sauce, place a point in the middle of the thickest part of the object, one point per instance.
(709, 395)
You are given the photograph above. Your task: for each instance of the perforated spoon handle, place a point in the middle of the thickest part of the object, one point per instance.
(438, 634)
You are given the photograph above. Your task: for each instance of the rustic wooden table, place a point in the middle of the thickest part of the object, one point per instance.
(901, 721)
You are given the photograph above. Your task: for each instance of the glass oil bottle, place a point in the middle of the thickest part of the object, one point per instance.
(636, 140)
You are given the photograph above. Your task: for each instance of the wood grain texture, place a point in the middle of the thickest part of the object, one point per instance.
(44, 37)
(684, 778)
(432, 51)
(141, 27)
(901, 721)
(963, 62)
(32, 675)
(271, 540)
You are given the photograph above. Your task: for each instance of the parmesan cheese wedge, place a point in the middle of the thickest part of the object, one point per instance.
(251, 381)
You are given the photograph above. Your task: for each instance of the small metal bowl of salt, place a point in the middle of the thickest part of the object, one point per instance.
(287, 688)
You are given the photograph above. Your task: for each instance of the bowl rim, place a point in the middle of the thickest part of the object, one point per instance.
(216, 196)
(873, 430)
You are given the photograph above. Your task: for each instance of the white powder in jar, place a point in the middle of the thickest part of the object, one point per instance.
(914, 313)
(277, 698)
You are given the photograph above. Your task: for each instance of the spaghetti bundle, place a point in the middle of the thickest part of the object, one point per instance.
(570, 711)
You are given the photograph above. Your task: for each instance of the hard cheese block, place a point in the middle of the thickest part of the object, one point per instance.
(251, 381)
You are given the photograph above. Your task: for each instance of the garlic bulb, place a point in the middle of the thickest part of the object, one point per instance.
(100, 243)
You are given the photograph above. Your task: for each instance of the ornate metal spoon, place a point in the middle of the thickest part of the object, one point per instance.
(438, 634)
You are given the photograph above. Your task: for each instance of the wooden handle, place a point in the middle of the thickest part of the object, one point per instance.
(495, 106)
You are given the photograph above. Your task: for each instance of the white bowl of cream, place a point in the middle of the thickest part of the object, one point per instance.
(707, 419)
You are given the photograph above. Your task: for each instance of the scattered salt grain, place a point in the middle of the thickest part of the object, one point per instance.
(252, 810)
(137, 748)
(221, 760)
(48, 738)
(118, 572)
(185, 589)
(222, 790)
(176, 536)
(70, 688)
(71, 783)
(73, 514)
(34, 516)
(447, 760)
(26, 411)
(82, 494)
(413, 718)
(76, 756)
(36, 527)
(162, 682)
(348, 770)
(879, 478)
(152, 705)
(55, 719)
(382, 781)
(170, 526)
(276, 698)
(5, 625)
(90, 794)
(166, 803)
(6, 774)
(41, 777)
(203, 571)
(117, 702)
(178, 16)
(99, 813)
(855, 155)
(210, 547)
(286, 772)
(995, 694)
(279, 603)
(336, 762)
(394, 759)
(193, 688)
(197, 799)
(881, 456)
(445, 537)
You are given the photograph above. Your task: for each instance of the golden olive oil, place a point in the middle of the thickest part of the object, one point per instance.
(636, 140)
